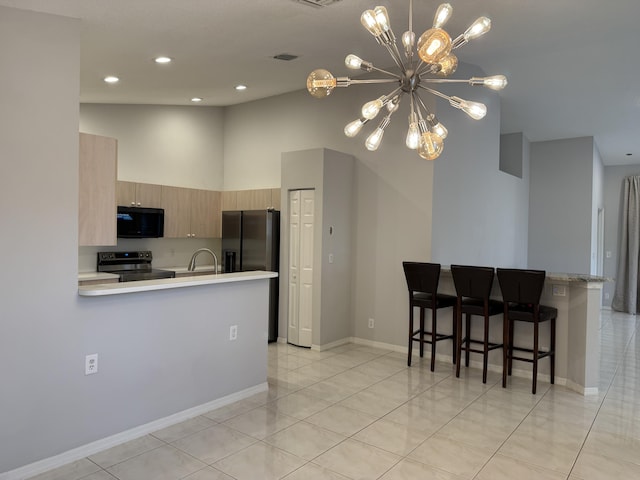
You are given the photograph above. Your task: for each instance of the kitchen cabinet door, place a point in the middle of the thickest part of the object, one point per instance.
(98, 157)
(139, 194)
(229, 200)
(259, 199)
(205, 214)
(176, 202)
(275, 198)
(148, 195)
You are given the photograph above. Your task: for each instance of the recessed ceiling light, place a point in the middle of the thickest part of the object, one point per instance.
(196, 99)
(241, 87)
(111, 79)
(162, 60)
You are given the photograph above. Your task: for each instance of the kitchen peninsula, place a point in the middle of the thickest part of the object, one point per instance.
(174, 348)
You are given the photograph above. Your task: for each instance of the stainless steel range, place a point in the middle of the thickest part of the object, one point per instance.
(131, 266)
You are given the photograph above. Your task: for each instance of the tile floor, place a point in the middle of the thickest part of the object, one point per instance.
(356, 412)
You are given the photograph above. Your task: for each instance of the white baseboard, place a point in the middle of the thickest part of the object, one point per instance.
(92, 448)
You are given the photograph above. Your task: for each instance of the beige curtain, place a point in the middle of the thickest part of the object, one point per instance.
(626, 295)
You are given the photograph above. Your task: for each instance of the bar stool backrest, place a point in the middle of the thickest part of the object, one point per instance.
(472, 282)
(422, 277)
(521, 286)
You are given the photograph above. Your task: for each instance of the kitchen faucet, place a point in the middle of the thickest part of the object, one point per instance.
(192, 263)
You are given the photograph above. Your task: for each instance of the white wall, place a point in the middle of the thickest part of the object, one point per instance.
(166, 145)
(479, 212)
(561, 205)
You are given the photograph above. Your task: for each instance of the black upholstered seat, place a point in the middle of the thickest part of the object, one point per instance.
(521, 292)
(473, 288)
(422, 282)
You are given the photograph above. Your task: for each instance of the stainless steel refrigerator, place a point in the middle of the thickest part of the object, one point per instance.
(251, 241)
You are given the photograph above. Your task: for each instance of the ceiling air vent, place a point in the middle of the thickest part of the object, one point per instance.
(287, 57)
(317, 3)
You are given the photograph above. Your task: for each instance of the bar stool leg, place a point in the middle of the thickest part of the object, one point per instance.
(454, 336)
(468, 339)
(505, 347)
(535, 356)
(434, 327)
(552, 356)
(410, 334)
(510, 357)
(421, 332)
(458, 342)
(485, 359)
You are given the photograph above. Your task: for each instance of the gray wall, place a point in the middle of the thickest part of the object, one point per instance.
(42, 340)
(561, 205)
(479, 212)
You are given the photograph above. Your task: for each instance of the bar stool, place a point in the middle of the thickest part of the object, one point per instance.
(473, 287)
(422, 281)
(521, 292)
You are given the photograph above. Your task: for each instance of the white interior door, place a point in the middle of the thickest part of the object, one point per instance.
(301, 226)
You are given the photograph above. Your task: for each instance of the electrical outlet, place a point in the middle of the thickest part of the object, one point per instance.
(371, 323)
(91, 364)
(606, 296)
(558, 290)
(233, 332)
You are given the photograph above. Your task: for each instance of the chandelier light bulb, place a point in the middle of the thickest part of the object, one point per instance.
(475, 110)
(393, 105)
(443, 14)
(448, 65)
(408, 40)
(431, 146)
(382, 18)
(413, 136)
(320, 83)
(434, 45)
(353, 61)
(374, 140)
(353, 128)
(478, 28)
(368, 20)
(495, 82)
(371, 109)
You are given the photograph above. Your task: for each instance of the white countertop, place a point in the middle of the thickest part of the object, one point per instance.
(169, 283)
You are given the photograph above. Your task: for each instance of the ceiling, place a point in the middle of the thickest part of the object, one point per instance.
(573, 65)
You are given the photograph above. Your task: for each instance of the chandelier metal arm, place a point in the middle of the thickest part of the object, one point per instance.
(391, 74)
(395, 54)
(375, 80)
(435, 92)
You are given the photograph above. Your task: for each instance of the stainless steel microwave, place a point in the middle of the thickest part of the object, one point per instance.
(138, 222)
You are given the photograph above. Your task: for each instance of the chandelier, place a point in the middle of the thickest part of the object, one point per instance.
(435, 61)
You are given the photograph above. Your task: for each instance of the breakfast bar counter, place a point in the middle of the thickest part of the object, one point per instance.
(171, 283)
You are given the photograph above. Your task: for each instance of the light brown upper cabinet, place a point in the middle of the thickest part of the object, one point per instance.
(253, 199)
(131, 194)
(191, 213)
(97, 190)
(256, 199)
